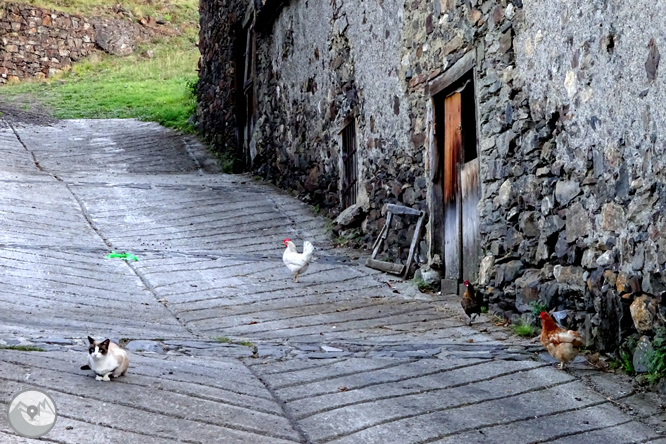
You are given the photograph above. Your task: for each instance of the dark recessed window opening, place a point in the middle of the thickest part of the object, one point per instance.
(468, 109)
(249, 71)
(349, 162)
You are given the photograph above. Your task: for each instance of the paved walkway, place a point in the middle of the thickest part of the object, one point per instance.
(225, 348)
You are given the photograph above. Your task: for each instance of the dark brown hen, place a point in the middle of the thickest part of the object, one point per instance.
(471, 302)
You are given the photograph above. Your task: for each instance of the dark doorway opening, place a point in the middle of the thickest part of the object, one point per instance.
(244, 79)
(239, 80)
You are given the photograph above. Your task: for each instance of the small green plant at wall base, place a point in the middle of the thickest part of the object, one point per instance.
(229, 162)
(421, 284)
(657, 360)
(538, 307)
(484, 309)
(524, 329)
(223, 339)
(341, 241)
(625, 353)
(627, 363)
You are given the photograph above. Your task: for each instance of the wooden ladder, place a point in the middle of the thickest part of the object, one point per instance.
(390, 267)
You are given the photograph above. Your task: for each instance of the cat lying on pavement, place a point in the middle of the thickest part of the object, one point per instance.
(106, 359)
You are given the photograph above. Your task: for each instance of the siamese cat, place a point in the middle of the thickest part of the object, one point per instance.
(106, 359)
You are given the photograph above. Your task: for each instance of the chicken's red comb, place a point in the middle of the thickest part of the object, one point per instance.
(287, 240)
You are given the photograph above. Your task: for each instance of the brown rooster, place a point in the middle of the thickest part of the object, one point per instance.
(471, 302)
(562, 344)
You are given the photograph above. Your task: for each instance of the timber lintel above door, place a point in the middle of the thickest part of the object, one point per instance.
(451, 75)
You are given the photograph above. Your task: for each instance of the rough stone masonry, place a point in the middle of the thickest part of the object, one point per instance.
(38, 43)
(570, 131)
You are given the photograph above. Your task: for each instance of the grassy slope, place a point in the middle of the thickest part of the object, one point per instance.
(157, 89)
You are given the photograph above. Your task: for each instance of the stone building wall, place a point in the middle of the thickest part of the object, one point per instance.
(590, 187)
(37, 42)
(323, 65)
(569, 123)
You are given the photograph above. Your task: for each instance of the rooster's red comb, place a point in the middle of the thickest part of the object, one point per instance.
(287, 240)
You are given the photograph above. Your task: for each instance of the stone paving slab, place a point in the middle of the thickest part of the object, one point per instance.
(224, 346)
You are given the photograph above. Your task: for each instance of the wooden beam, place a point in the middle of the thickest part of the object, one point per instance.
(382, 235)
(448, 77)
(399, 209)
(415, 240)
(387, 267)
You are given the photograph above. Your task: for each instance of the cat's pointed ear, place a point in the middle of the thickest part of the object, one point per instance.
(91, 340)
(105, 343)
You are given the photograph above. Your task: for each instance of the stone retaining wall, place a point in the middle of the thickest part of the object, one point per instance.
(37, 42)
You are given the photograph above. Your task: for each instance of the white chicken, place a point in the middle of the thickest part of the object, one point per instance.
(295, 261)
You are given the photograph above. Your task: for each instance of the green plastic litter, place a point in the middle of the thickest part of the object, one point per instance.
(125, 256)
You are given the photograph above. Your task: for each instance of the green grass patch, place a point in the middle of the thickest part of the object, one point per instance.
(157, 89)
(226, 340)
(524, 329)
(25, 348)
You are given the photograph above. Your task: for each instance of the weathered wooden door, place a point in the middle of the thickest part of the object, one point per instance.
(460, 191)
(451, 201)
(470, 195)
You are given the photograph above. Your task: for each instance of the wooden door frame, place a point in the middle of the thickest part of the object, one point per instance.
(466, 66)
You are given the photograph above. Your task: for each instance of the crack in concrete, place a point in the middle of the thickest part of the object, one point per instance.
(292, 421)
